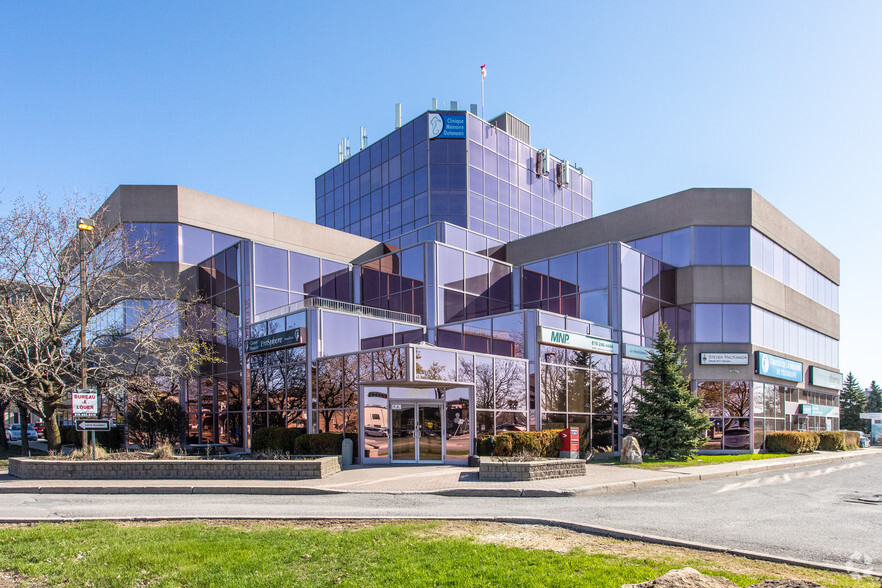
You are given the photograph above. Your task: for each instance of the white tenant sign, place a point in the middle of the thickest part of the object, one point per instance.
(84, 403)
(724, 358)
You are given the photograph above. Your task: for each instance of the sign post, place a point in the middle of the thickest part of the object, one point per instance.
(92, 425)
(85, 404)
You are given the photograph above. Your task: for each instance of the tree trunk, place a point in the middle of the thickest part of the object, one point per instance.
(24, 419)
(4, 444)
(52, 432)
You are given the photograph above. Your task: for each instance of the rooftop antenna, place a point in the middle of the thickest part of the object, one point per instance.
(340, 152)
(362, 142)
(398, 115)
(347, 151)
(434, 104)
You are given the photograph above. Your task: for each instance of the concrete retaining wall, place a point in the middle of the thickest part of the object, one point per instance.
(493, 470)
(174, 469)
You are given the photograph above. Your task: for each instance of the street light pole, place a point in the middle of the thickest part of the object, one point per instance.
(84, 225)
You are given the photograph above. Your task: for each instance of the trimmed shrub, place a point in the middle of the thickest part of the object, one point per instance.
(280, 439)
(111, 440)
(852, 439)
(792, 441)
(831, 440)
(319, 444)
(266, 438)
(545, 443)
(485, 445)
(70, 435)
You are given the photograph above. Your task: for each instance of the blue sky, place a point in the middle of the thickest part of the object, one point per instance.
(249, 101)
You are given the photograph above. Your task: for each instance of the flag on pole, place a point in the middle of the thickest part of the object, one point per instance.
(483, 71)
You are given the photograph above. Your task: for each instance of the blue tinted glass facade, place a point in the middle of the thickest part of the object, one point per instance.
(487, 181)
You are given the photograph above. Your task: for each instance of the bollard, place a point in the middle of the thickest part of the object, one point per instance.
(347, 452)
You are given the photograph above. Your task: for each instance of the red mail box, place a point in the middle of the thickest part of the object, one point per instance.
(570, 438)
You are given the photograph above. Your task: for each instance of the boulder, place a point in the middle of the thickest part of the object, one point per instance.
(631, 451)
(685, 578)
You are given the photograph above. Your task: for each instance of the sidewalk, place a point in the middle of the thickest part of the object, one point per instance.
(440, 480)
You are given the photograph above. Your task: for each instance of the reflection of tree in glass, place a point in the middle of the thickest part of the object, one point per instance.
(737, 399)
(389, 364)
(295, 394)
(336, 386)
(510, 380)
(554, 388)
(484, 389)
(433, 371)
(435, 364)
(711, 395)
(502, 388)
(598, 383)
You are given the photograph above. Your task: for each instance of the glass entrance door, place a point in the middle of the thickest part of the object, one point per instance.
(403, 434)
(417, 432)
(429, 447)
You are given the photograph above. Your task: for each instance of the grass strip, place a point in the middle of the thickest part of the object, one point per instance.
(699, 460)
(279, 554)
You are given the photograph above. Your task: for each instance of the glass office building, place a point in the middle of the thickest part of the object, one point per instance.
(453, 167)
(456, 286)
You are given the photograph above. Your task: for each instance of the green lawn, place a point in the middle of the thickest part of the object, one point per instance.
(663, 464)
(279, 554)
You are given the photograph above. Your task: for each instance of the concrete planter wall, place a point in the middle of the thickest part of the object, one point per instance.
(174, 469)
(494, 470)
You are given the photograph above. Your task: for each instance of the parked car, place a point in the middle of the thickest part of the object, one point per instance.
(736, 439)
(40, 428)
(511, 427)
(13, 433)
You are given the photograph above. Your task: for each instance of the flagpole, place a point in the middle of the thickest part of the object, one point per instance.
(483, 75)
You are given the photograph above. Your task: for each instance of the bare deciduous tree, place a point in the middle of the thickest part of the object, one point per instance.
(144, 331)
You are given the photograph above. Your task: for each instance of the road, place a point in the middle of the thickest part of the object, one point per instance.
(810, 513)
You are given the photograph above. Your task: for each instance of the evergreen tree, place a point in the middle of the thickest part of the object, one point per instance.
(874, 398)
(851, 403)
(667, 422)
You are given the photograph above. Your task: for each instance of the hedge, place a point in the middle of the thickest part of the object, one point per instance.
(111, 440)
(545, 443)
(831, 440)
(297, 441)
(852, 439)
(807, 441)
(276, 438)
(792, 441)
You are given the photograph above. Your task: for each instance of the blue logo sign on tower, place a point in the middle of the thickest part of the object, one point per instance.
(447, 126)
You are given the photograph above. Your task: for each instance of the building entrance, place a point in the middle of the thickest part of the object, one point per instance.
(401, 424)
(417, 432)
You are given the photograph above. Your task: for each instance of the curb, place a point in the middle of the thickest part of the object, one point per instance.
(666, 477)
(575, 527)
